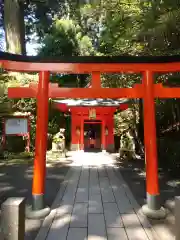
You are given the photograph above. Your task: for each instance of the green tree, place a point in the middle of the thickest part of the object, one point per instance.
(161, 28)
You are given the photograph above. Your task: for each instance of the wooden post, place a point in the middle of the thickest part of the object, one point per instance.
(153, 208)
(41, 142)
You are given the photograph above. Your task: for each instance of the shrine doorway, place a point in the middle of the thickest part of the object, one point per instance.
(92, 135)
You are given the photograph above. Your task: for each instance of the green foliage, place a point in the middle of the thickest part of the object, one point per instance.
(65, 39)
(62, 40)
(161, 27)
(122, 23)
(21, 155)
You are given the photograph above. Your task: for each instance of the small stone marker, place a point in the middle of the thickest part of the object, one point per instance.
(177, 218)
(13, 219)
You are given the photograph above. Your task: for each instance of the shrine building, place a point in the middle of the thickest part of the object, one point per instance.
(92, 122)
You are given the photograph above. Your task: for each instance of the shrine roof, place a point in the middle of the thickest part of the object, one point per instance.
(92, 102)
(90, 59)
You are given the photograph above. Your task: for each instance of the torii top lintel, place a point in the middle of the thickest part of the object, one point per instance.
(89, 64)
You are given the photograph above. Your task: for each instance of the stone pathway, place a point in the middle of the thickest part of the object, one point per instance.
(95, 204)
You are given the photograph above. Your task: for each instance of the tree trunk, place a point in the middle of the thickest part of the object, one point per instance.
(14, 26)
(138, 131)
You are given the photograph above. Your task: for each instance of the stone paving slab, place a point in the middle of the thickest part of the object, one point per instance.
(121, 197)
(102, 172)
(116, 234)
(96, 205)
(79, 215)
(112, 216)
(106, 190)
(83, 189)
(96, 227)
(95, 199)
(77, 234)
(60, 226)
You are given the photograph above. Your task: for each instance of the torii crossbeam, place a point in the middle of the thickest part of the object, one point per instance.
(56, 92)
(147, 90)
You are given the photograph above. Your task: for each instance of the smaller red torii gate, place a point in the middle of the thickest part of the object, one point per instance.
(147, 90)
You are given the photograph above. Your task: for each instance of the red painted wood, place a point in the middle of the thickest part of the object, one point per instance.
(96, 80)
(21, 92)
(150, 136)
(103, 137)
(166, 92)
(135, 92)
(61, 106)
(124, 106)
(41, 135)
(75, 123)
(25, 92)
(92, 122)
(103, 114)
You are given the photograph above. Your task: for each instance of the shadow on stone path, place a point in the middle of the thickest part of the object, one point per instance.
(16, 181)
(95, 204)
(133, 173)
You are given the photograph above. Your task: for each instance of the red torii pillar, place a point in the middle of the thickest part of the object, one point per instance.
(38, 187)
(39, 91)
(153, 208)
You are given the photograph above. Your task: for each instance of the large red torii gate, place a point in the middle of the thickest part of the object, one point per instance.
(147, 90)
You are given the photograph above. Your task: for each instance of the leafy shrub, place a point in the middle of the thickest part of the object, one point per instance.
(22, 155)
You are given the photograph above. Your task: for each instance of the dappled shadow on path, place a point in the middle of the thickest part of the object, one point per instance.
(130, 226)
(133, 172)
(16, 181)
(117, 218)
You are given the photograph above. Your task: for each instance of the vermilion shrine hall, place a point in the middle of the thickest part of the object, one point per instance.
(91, 117)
